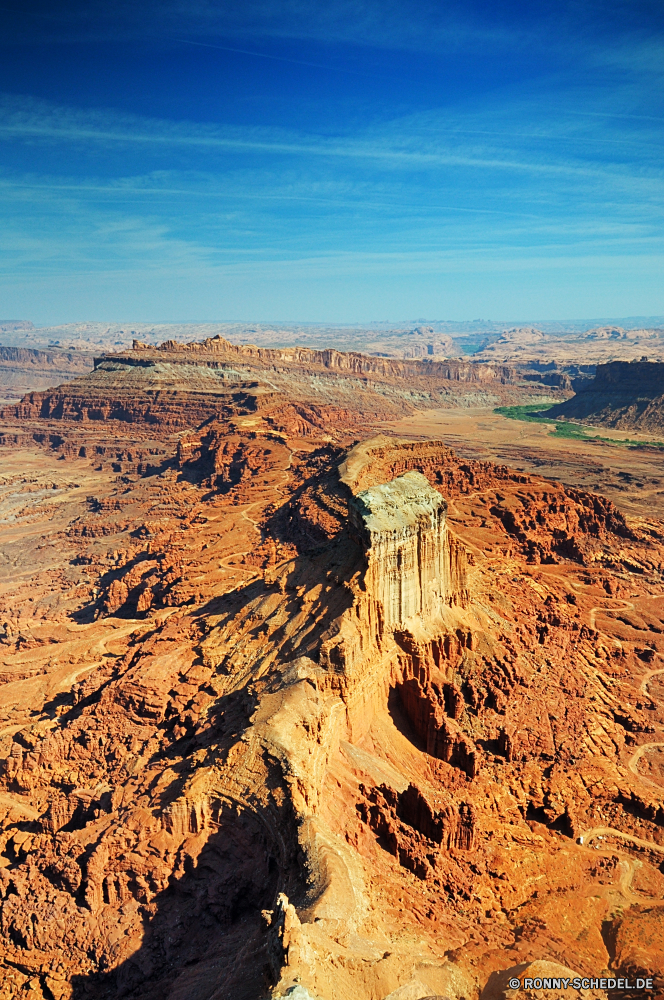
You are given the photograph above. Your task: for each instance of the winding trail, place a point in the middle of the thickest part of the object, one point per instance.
(634, 760)
(625, 885)
(585, 839)
(609, 831)
(252, 574)
(651, 673)
(601, 607)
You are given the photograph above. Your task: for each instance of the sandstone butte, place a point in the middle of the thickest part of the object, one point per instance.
(625, 395)
(291, 707)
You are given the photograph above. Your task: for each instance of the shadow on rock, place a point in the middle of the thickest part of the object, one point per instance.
(203, 937)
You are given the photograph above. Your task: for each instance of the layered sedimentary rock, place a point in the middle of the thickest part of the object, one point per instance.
(414, 567)
(161, 395)
(23, 369)
(625, 395)
(148, 406)
(361, 381)
(278, 713)
(153, 394)
(218, 347)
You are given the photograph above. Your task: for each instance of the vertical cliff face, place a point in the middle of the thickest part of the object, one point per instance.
(628, 395)
(415, 567)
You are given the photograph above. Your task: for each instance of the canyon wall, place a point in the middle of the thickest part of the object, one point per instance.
(628, 395)
(151, 395)
(217, 348)
(24, 369)
(163, 397)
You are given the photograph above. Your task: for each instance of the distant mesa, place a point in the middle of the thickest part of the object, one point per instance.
(627, 395)
(152, 394)
(181, 385)
(523, 334)
(619, 333)
(23, 369)
(10, 325)
(599, 345)
(162, 396)
(426, 343)
(517, 337)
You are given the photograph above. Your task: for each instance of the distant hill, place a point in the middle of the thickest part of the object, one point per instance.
(15, 325)
(628, 395)
(599, 345)
(23, 369)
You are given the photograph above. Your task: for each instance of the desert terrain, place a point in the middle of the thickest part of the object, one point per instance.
(571, 344)
(590, 346)
(24, 369)
(632, 477)
(322, 679)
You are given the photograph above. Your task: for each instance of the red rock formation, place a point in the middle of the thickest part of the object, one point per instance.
(245, 747)
(338, 360)
(414, 568)
(161, 396)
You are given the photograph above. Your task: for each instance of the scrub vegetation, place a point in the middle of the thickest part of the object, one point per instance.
(533, 413)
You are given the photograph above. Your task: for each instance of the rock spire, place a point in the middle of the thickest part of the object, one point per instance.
(403, 527)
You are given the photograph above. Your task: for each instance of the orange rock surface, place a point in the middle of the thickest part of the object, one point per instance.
(371, 721)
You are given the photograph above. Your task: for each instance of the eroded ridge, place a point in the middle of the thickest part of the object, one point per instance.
(261, 727)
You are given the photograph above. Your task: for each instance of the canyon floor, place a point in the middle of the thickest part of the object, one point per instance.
(633, 477)
(309, 698)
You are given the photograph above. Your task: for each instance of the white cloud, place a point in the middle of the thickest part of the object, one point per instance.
(498, 184)
(417, 142)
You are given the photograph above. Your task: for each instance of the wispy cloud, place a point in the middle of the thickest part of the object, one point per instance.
(417, 142)
(169, 221)
(416, 25)
(274, 58)
(537, 167)
(616, 33)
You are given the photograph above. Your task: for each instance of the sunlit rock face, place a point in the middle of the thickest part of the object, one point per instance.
(415, 567)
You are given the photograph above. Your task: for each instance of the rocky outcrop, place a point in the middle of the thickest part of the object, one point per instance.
(424, 342)
(415, 568)
(157, 396)
(381, 458)
(24, 369)
(639, 943)
(274, 727)
(367, 383)
(548, 521)
(152, 395)
(340, 361)
(625, 395)
(412, 830)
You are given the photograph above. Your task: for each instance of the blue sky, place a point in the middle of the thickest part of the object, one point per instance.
(349, 161)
